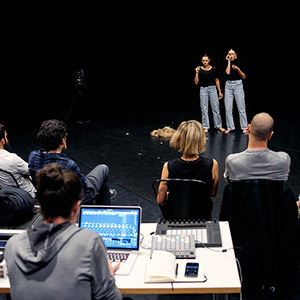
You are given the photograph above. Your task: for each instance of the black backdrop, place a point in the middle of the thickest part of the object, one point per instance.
(140, 57)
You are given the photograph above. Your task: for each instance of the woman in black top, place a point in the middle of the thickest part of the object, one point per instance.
(206, 76)
(190, 140)
(234, 90)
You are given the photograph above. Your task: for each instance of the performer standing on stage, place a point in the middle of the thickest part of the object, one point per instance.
(234, 90)
(206, 76)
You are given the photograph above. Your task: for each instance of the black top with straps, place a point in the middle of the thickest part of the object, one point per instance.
(198, 205)
(200, 169)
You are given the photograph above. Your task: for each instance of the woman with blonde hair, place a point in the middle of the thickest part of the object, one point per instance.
(190, 140)
(234, 89)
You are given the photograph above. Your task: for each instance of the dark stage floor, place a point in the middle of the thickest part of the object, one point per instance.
(135, 159)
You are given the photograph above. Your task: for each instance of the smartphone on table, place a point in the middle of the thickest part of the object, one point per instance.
(191, 269)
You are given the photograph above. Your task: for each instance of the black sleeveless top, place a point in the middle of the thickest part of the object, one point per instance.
(200, 169)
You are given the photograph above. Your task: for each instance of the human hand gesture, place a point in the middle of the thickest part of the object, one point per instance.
(113, 266)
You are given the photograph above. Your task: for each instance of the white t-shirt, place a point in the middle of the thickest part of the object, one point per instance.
(14, 164)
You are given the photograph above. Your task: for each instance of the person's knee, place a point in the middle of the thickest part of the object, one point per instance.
(98, 175)
(103, 169)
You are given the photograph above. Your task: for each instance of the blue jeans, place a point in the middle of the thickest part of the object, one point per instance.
(97, 191)
(234, 90)
(210, 93)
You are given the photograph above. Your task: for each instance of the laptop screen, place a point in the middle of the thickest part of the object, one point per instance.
(119, 226)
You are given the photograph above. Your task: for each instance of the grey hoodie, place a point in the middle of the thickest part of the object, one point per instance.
(59, 262)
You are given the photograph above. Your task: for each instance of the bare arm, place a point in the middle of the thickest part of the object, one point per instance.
(196, 79)
(163, 186)
(219, 88)
(215, 178)
(242, 74)
(227, 70)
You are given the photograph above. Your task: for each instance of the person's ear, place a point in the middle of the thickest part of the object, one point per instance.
(249, 128)
(270, 135)
(2, 142)
(64, 143)
(76, 206)
(74, 212)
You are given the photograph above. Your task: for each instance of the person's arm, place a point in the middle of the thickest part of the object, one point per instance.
(102, 280)
(196, 79)
(113, 268)
(219, 88)
(227, 70)
(215, 178)
(21, 166)
(241, 73)
(71, 165)
(163, 186)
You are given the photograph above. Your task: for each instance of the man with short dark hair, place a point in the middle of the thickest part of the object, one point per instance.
(53, 138)
(15, 165)
(258, 161)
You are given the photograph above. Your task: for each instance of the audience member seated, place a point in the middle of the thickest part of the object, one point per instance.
(258, 161)
(15, 165)
(56, 259)
(53, 138)
(262, 214)
(190, 140)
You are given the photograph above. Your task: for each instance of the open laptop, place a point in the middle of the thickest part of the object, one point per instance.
(119, 227)
(6, 234)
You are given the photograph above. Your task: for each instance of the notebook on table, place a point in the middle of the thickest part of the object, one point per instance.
(119, 227)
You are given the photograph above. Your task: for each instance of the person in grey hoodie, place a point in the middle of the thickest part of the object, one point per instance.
(56, 259)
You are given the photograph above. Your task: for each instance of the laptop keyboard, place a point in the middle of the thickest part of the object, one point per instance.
(117, 256)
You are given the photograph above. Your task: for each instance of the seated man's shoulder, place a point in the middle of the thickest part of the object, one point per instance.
(259, 153)
(280, 157)
(235, 156)
(35, 153)
(280, 154)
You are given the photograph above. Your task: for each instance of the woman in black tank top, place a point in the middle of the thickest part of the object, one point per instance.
(190, 140)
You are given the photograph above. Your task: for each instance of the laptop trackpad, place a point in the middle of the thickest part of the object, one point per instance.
(127, 265)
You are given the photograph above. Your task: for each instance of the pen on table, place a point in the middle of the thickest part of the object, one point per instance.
(176, 270)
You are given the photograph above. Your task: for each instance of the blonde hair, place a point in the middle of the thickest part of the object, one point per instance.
(167, 132)
(189, 138)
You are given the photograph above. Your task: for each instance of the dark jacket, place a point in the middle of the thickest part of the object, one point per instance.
(262, 215)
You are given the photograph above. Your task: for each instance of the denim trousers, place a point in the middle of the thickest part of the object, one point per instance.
(234, 90)
(97, 191)
(209, 94)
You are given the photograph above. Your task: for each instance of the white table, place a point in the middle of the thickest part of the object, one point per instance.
(220, 268)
